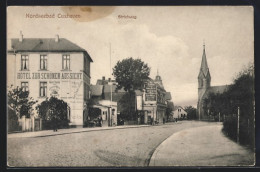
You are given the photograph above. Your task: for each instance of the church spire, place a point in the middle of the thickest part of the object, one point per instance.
(204, 65)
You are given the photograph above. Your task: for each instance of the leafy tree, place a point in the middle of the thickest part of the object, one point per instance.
(169, 109)
(127, 103)
(54, 109)
(191, 112)
(240, 94)
(130, 74)
(20, 102)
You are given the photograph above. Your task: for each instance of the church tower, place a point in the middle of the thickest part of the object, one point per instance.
(204, 77)
(204, 80)
(158, 80)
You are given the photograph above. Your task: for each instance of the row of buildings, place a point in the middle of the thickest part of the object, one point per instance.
(57, 67)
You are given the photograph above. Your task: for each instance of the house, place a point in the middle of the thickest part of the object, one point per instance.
(52, 67)
(179, 113)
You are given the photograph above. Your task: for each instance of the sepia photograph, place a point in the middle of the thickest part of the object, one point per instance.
(130, 86)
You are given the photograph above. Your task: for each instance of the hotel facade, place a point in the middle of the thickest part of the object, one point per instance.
(52, 67)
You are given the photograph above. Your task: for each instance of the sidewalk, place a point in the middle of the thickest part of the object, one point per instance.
(202, 146)
(45, 133)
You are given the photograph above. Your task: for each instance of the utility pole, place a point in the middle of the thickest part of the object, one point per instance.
(110, 120)
(238, 111)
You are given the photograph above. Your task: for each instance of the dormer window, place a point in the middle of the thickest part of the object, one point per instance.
(24, 62)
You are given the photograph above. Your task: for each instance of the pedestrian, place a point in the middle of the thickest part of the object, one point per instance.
(53, 121)
(100, 121)
(163, 120)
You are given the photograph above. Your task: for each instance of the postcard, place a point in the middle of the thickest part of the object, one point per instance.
(130, 86)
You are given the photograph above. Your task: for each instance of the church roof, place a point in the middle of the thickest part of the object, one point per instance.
(216, 89)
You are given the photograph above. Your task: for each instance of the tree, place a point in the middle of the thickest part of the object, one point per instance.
(169, 109)
(130, 74)
(239, 94)
(126, 102)
(191, 112)
(54, 109)
(20, 102)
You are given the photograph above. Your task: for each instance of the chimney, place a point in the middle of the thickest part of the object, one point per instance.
(56, 38)
(21, 37)
(103, 78)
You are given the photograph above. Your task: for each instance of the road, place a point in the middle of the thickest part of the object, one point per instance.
(118, 147)
(201, 146)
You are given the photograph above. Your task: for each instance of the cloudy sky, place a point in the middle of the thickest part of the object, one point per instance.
(169, 39)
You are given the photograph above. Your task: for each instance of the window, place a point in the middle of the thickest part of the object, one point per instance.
(25, 86)
(24, 62)
(43, 62)
(66, 62)
(43, 89)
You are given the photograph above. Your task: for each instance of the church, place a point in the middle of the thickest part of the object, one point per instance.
(205, 88)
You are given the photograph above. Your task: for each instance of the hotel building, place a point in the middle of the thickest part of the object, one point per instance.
(52, 67)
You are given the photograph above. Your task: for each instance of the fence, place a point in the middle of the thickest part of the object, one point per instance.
(241, 131)
(24, 124)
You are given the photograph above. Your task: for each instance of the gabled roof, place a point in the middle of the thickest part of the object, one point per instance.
(107, 89)
(96, 90)
(45, 45)
(178, 107)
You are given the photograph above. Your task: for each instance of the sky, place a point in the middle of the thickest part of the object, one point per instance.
(168, 38)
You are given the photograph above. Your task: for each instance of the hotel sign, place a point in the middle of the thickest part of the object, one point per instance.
(48, 75)
(150, 91)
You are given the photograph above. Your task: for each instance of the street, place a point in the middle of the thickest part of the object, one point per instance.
(118, 147)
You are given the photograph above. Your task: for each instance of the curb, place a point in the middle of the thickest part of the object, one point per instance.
(91, 130)
(97, 129)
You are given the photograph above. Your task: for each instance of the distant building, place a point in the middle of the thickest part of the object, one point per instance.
(205, 88)
(101, 98)
(179, 113)
(52, 67)
(155, 100)
(150, 102)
